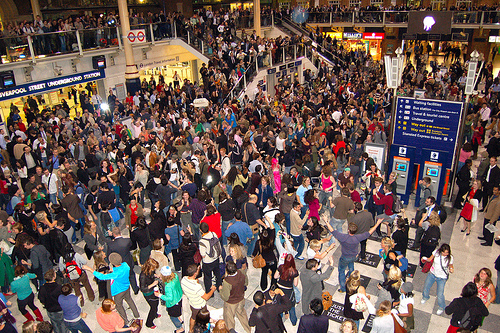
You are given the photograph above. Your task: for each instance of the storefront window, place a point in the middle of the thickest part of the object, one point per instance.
(354, 3)
(438, 4)
(376, 2)
(334, 3)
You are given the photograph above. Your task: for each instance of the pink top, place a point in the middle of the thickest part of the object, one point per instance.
(108, 321)
(464, 155)
(314, 208)
(326, 182)
(483, 293)
(277, 181)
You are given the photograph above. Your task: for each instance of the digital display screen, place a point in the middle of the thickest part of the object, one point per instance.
(429, 22)
(100, 63)
(432, 172)
(401, 167)
(8, 82)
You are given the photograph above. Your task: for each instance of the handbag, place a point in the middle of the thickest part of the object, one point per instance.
(258, 261)
(427, 266)
(136, 326)
(197, 257)
(360, 304)
(397, 326)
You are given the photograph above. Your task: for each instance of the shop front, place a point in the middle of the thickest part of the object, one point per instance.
(353, 41)
(50, 92)
(374, 40)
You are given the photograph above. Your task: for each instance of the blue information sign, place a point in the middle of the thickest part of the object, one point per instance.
(430, 124)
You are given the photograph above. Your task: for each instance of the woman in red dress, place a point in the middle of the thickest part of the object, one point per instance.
(469, 212)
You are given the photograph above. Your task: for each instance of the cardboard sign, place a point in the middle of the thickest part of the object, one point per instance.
(410, 272)
(411, 242)
(364, 280)
(368, 324)
(371, 259)
(336, 312)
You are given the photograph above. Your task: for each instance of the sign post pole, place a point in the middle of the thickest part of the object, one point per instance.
(399, 72)
(470, 84)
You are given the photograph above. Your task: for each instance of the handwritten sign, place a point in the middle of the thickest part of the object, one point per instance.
(336, 312)
(371, 259)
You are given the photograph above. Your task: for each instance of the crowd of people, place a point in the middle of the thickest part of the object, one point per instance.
(187, 193)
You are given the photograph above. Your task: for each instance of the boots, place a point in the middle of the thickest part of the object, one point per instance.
(29, 317)
(38, 315)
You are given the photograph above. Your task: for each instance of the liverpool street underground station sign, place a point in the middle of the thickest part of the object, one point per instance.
(427, 124)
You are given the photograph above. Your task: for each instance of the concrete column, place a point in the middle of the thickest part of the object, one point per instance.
(35, 7)
(256, 16)
(132, 79)
(195, 70)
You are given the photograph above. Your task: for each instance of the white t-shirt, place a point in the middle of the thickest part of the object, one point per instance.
(280, 144)
(440, 263)
(53, 182)
(403, 304)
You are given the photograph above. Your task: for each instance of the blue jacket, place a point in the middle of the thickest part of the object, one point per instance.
(241, 229)
(263, 195)
(119, 278)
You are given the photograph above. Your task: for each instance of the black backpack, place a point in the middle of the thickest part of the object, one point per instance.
(432, 236)
(472, 319)
(397, 205)
(215, 249)
(442, 213)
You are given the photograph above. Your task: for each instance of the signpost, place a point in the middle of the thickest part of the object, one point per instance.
(430, 124)
(137, 36)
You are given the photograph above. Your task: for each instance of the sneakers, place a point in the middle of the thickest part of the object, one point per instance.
(299, 258)
(439, 312)
(341, 291)
(422, 301)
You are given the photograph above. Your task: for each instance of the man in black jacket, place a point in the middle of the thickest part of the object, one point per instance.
(124, 246)
(490, 178)
(315, 321)
(48, 296)
(266, 317)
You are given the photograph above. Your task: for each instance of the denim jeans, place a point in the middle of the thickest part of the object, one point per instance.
(79, 326)
(57, 321)
(337, 224)
(177, 322)
(293, 316)
(287, 221)
(440, 282)
(53, 198)
(303, 211)
(225, 225)
(298, 241)
(251, 245)
(497, 300)
(344, 263)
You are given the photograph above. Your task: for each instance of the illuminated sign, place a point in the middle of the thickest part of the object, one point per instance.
(374, 35)
(51, 84)
(353, 35)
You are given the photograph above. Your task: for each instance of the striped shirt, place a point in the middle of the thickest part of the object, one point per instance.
(193, 290)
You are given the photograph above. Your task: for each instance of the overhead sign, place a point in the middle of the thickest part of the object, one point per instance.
(158, 62)
(428, 124)
(494, 39)
(374, 35)
(353, 35)
(137, 36)
(39, 87)
(336, 35)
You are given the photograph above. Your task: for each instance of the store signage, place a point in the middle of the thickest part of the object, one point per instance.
(374, 35)
(409, 36)
(353, 35)
(436, 37)
(158, 62)
(336, 35)
(460, 37)
(494, 39)
(39, 87)
(137, 36)
(427, 124)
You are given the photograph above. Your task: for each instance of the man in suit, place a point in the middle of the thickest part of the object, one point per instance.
(123, 246)
(315, 321)
(490, 179)
(31, 160)
(312, 281)
(266, 317)
(491, 215)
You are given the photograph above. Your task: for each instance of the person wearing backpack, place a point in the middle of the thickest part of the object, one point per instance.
(210, 251)
(467, 311)
(71, 265)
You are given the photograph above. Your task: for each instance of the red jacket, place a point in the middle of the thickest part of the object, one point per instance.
(387, 200)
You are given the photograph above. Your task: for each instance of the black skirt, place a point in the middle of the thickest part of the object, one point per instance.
(176, 310)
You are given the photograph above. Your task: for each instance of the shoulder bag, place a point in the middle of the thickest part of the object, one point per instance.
(427, 266)
(397, 327)
(258, 261)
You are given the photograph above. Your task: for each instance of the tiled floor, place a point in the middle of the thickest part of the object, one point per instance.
(469, 257)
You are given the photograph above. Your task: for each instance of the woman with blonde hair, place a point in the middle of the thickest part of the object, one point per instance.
(147, 283)
(236, 255)
(348, 326)
(389, 255)
(353, 286)
(471, 207)
(384, 321)
(171, 294)
(485, 286)
(109, 319)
